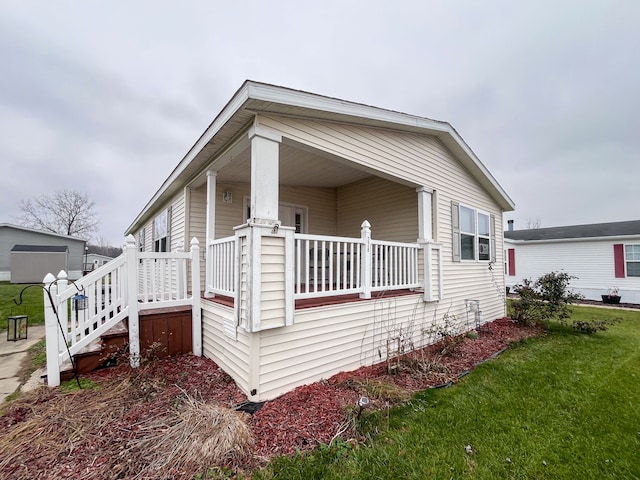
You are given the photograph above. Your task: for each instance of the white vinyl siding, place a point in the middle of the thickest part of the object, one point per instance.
(198, 224)
(592, 261)
(232, 356)
(350, 335)
(273, 283)
(390, 208)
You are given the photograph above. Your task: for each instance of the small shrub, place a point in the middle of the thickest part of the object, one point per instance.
(547, 298)
(594, 325)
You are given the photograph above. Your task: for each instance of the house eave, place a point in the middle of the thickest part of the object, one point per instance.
(255, 97)
(26, 229)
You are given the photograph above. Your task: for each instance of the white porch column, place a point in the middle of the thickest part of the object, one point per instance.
(425, 214)
(425, 237)
(212, 178)
(265, 175)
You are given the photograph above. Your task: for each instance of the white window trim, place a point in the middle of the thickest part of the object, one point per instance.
(479, 236)
(476, 235)
(157, 239)
(627, 262)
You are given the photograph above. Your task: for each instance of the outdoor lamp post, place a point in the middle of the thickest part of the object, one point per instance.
(86, 253)
(17, 327)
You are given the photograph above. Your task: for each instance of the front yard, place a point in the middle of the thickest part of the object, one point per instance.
(560, 405)
(564, 405)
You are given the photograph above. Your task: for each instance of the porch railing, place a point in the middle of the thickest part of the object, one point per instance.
(221, 258)
(326, 266)
(330, 265)
(80, 312)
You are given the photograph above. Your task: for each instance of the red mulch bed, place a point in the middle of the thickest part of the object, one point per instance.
(299, 420)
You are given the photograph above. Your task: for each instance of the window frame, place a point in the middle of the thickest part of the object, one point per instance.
(161, 237)
(473, 234)
(486, 237)
(635, 261)
(479, 239)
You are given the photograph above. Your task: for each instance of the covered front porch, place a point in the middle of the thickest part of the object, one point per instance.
(289, 224)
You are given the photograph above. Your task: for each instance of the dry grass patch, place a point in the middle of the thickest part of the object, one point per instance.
(52, 433)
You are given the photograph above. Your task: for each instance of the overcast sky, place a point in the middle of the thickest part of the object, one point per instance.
(107, 97)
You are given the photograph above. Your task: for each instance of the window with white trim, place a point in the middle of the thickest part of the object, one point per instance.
(632, 258)
(484, 237)
(141, 240)
(467, 233)
(473, 234)
(161, 226)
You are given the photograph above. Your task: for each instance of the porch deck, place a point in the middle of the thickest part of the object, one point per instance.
(312, 302)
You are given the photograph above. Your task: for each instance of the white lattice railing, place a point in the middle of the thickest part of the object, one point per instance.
(394, 265)
(336, 265)
(221, 258)
(89, 307)
(328, 265)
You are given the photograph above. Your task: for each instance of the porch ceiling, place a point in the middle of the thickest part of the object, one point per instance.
(297, 167)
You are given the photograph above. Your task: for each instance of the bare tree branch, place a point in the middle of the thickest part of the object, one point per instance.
(532, 224)
(66, 212)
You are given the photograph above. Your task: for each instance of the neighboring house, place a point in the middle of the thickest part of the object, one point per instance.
(27, 255)
(333, 233)
(95, 260)
(602, 256)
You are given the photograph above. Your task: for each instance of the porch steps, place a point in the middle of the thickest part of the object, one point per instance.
(99, 353)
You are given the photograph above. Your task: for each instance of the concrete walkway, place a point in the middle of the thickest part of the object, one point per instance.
(12, 355)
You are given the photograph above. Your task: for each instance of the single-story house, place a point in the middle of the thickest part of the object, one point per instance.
(27, 255)
(95, 260)
(603, 257)
(325, 234)
(333, 234)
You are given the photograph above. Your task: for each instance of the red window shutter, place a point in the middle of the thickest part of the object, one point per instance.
(618, 259)
(512, 262)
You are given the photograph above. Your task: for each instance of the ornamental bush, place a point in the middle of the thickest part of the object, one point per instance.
(548, 298)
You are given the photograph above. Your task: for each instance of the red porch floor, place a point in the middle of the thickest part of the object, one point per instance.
(322, 301)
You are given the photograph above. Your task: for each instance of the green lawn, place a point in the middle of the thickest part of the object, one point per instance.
(32, 303)
(562, 406)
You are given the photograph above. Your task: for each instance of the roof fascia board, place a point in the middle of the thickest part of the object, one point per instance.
(295, 98)
(438, 128)
(26, 229)
(275, 94)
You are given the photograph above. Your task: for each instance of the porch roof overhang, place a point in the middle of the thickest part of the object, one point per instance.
(255, 98)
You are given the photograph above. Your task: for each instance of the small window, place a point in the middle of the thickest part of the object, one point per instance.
(467, 233)
(473, 234)
(632, 257)
(484, 237)
(161, 232)
(141, 240)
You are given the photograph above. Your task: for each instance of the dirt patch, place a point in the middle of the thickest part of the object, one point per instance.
(108, 431)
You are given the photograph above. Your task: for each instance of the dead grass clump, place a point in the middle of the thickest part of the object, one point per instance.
(52, 429)
(189, 439)
(381, 390)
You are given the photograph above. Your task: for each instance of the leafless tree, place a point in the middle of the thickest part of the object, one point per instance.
(532, 224)
(65, 212)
